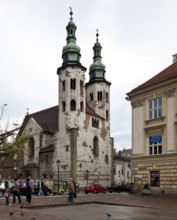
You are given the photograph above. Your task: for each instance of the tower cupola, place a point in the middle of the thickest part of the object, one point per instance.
(71, 52)
(97, 68)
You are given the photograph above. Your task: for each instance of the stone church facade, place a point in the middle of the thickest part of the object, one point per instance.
(77, 130)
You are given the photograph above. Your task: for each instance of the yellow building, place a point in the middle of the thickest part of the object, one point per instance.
(154, 130)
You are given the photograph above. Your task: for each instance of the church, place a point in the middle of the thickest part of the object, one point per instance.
(72, 139)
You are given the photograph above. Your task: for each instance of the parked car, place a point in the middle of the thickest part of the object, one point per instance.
(95, 188)
(118, 188)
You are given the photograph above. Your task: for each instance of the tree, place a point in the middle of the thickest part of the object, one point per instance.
(10, 143)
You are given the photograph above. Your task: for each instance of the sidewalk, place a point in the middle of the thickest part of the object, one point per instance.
(24, 211)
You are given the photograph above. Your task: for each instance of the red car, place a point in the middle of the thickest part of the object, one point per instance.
(95, 188)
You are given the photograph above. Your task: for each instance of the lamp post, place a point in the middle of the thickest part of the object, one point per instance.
(87, 174)
(58, 164)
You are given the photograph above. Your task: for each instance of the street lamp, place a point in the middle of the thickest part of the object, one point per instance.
(87, 175)
(58, 164)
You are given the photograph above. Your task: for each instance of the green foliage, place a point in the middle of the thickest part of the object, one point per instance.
(13, 146)
(146, 186)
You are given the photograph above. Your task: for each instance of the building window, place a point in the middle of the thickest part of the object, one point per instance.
(155, 108)
(63, 106)
(95, 123)
(67, 148)
(73, 83)
(91, 96)
(155, 145)
(107, 97)
(95, 147)
(63, 85)
(107, 115)
(81, 87)
(31, 147)
(99, 96)
(81, 106)
(122, 171)
(73, 105)
(106, 159)
(155, 178)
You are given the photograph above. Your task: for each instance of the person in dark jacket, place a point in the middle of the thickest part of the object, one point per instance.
(28, 191)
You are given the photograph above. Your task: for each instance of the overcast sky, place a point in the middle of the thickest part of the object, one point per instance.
(138, 39)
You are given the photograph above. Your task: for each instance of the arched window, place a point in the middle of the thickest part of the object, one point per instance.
(106, 159)
(99, 96)
(81, 87)
(31, 147)
(63, 106)
(73, 105)
(73, 84)
(81, 106)
(95, 147)
(91, 96)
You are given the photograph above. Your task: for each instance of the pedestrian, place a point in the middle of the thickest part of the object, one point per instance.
(41, 187)
(71, 190)
(28, 190)
(16, 191)
(8, 186)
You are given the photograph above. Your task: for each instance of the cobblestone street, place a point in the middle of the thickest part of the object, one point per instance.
(25, 211)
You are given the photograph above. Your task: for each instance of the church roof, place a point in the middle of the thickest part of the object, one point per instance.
(169, 73)
(47, 119)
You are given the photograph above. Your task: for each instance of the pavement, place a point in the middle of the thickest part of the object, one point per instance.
(25, 211)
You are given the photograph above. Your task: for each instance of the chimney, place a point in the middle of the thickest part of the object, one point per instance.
(174, 58)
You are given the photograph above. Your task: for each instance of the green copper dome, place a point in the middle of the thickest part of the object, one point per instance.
(71, 52)
(97, 68)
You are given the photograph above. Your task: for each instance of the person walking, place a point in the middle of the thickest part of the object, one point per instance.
(41, 187)
(16, 191)
(8, 186)
(71, 190)
(28, 190)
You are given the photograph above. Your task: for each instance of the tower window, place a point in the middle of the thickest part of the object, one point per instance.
(95, 123)
(107, 115)
(95, 147)
(99, 94)
(73, 105)
(81, 87)
(81, 106)
(63, 85)
(63, 106)
(91, 96)
(73, 83)
(107, 97)
(106, 159)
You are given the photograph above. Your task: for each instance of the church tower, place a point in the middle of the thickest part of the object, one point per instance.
(71, 99)
(98, 88)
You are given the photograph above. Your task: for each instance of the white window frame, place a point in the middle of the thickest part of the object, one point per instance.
(155, 108)
(155, 148)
